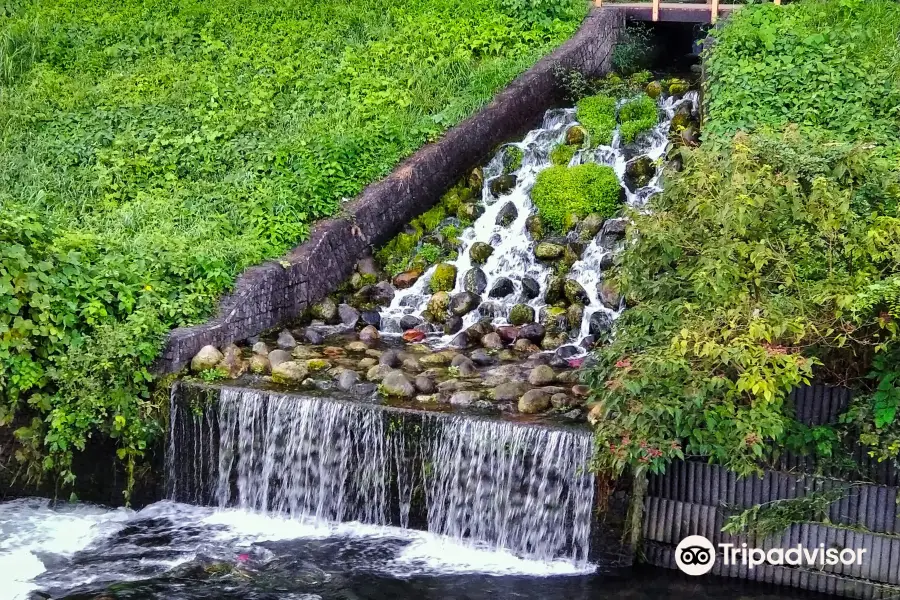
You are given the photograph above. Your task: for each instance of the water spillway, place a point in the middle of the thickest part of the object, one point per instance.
(495, 484)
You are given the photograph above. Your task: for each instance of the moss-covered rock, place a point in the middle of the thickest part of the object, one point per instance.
(562, 154)
(480, 252)
(590, 226)
(563, 191)
(290, 372)
(555, 290)
(678, 87)
(549, 251)
(507, 214)
(512, 159)
(598, 115)
(502, 185)
(638, 172)
(654, 89)
(534, 225)
(444, 278)
(521, 314)
(207, 358)
(475, 281)
(576, 135)
(475, 180)
(637, 116)
(438, 305)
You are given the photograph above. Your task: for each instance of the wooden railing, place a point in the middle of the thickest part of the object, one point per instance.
(714, 6)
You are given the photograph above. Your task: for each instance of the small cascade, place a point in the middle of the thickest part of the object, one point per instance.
(521, 488)
(513, 256)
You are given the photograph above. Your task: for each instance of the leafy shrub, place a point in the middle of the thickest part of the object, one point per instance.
(542, 11)
(598, 115)
(560, 192)
(562, 154)
(512, 159)
(754, 267)
(635, 50)
(151, 151)
(637, 116)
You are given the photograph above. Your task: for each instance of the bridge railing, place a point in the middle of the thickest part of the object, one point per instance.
(713, 6)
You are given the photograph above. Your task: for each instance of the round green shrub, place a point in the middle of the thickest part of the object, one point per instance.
(637, 116)
(563, 191)
(512, 159)
(562, 154)
(598, 115)
(444, 278)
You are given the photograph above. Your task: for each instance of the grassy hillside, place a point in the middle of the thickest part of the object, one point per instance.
(150, 150)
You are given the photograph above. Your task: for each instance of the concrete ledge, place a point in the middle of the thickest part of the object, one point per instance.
(276, 291)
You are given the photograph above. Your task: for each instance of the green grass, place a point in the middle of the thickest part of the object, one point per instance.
(150, 151)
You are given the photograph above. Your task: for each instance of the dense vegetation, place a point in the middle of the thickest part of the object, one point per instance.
(562, 194)
(773, 257)
(151, 150)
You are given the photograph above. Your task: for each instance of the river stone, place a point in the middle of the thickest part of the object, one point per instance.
(317, 364)
(502, 374)
(285, 340)
(276, 357)
(534, 401)
(460, 341)
(554, 319)
(521, 314)
(469, 212)
(233, 362)
(289, 372)
(549, 251)
(574, 316)
(395, 383)
(348, 315)
(482, 358)
(509, 391)
(552, 341)
(438, 305)
(480, 252)
(347, 379)
(453, 385)
(425, 384)
(492, 341)
(463, 303)
(502, 184)
(567, 351)
(533, 332)
(312, 336)
(575, 135)
(581, 391)
(390, 358)
(437, 359)
(452, 324)
(464, 398)
(326, 311)
(615, 227)
(371, 318)
(590, 226)
(259, 364)
(378, 372)
(560, 400)
(356, 346)
(542, 375)
(508, 333)
(408, 322)
(690, 137)
(555, 290)
(368, 362)
(369, 335)
(507, 214)
(467, 369)
(609, 295)
(535, 227)
(366, 266)
(530, 288)
(525, 346)
(475, 281)
(260, 348)
(333, 352)
(575, 293)
(406, 279)
(208, 357)
(502, 288)
(638, 172)
(600, 324)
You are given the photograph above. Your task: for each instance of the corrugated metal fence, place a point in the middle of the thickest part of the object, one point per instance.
(695, 497)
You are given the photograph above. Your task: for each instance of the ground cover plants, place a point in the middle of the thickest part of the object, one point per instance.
(150, 151)
(773, 258)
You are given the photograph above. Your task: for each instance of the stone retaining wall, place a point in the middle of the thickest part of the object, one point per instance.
(274, 292)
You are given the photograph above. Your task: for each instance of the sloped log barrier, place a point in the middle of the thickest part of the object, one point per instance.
(277, 291)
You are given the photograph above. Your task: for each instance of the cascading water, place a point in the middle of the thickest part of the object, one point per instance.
(513, 255)
(521, 488)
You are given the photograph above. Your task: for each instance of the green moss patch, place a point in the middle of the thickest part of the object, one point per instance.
(598, 115)
(637, 116)
(562, 192)
(562, 154)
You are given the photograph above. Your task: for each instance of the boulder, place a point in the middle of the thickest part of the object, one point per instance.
(453, 324)
(438, 305)
(502, 288)
(590, 226)
(406, 279)
(348, 315)
(326, 311)
(479, 330)
(502, 374)
(549, 251)
(425, 384)
(553, 341)
(464, 398)
(378, 372)
(408, 322)
(533, 332)
(285, 340)
(542, 375)
(276, 357)
(479, 252)
(535, 227)
(508, 333)
(507, 214)
(207, 358)
(525, 346)
(261, 348)
(347, 379)
(356, 347)
(575, 135)
(318, 364)
(475, 281)
(371, 318)
(368, 362)
(508, 392)
(395, 383)
(482, 358)
(555, 290)
(554, 319)
(574, 315)
(534, 401)
(492, 341)
(502, 184)
(521, 314)
(567, 351)
(530, 288)
(601, 323)
(259, 364)
(311, 336)
(654, 89)
(560, 400)
(233, 362)
(369, 335)
(443, 279)
(609, 295)
(291, 372)
(469, 212)
(436, 359)
(638, 172)
(575, 293)
(390, 358)
(413, 336)
(463, 303)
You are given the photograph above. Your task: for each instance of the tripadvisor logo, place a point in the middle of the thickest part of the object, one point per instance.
(696, 555)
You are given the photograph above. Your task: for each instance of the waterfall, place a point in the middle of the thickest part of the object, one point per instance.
(518, 487)
(513, 255)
